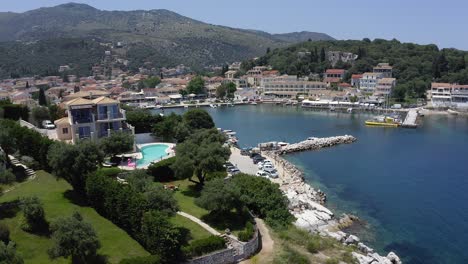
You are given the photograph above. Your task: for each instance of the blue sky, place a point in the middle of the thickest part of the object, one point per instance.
(444, 23)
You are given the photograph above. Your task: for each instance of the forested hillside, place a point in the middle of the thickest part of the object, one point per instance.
(44, 57)
(415, 66)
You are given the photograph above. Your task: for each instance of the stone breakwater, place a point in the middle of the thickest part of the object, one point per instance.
(307, 203)
(314, 143)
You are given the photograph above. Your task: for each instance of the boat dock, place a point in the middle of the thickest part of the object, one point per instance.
(411, 119)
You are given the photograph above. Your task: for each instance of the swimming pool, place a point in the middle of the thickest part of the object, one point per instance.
(152, 153)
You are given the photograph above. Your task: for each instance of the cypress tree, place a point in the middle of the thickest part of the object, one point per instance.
(322, 55)
(42, 97)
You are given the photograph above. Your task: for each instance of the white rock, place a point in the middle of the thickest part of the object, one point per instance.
(364, 248)
(362, 259)
(394, 258)
(352, 239)
(340, 235)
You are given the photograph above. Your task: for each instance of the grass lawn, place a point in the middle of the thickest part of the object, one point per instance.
(116, 244)
(196, 231)
(186, 196)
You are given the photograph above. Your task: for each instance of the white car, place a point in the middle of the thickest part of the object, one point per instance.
(272, 172)
(261, 173)
(48, 124)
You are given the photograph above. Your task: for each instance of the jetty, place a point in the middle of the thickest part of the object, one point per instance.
(314, 143)
(411, 119)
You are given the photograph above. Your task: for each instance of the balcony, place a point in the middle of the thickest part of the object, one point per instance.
(109, 116)
(83, 119)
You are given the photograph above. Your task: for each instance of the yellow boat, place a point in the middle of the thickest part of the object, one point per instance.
(383, 121)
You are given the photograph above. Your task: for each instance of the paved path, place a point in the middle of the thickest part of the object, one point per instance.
(244, 163)
(200, 222)
(266, 254)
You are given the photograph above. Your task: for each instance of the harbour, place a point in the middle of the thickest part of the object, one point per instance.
(429, 197)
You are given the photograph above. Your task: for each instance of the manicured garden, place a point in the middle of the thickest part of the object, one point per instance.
(58, 201)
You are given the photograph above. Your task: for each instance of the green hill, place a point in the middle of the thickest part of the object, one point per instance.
(54, 194)
(415, 66)
(166, 36)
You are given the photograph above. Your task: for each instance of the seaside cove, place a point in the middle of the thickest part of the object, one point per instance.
(407, 185)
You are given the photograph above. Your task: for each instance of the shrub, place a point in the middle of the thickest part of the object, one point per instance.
(348, 258)
(34, 215)
(206, 245)
(247, 234)
(317, 243)
(265, 199)
(4, 233)
(332, 261)
(154, 259)
(110, 172)
(7, 177)
(162, 171)
(290, 255)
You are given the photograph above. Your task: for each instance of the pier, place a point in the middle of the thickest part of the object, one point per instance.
(411, 119)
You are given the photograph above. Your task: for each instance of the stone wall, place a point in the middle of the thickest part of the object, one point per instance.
(144, 138)
(226, 256)
(240, 250)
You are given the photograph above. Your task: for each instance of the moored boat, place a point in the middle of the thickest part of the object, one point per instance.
(383, 121)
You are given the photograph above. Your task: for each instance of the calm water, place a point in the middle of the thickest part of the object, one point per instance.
(152, 153)
(410, 186)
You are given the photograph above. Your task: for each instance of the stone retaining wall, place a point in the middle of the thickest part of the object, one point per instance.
(241, 250)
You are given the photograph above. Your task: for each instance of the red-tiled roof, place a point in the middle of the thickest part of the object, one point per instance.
(335, 71)
(332, 80)
(356, 76)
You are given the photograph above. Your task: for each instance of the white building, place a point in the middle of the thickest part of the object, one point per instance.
(385, 69)
(289, 86)
(368, 82)
(385, 86)
(449, 95)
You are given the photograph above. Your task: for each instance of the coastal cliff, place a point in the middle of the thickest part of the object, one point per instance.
(307, 203)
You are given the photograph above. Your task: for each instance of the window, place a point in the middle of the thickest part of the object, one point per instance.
(65, 130)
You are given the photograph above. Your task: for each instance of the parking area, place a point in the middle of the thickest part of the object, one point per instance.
(255, 165)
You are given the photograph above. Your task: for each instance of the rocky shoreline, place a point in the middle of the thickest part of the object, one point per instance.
(307, 203)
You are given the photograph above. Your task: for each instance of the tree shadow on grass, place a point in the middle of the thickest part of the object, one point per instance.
(75, 198)
(193, 191)
(40, 229)
(99, 259)
(222, 220)
(9, 209)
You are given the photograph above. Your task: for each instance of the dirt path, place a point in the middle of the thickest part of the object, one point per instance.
(266, 254)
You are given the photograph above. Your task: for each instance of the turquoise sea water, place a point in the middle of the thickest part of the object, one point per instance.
(409, 185)
(152, 153)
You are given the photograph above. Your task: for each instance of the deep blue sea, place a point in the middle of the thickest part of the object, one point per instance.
(409, 185)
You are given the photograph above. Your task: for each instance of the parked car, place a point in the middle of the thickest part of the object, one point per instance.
(272, 172)
(245, 152)
(234, 170)
(48, 124)
(261, 173)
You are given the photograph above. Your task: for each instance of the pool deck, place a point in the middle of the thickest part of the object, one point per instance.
(138, 155)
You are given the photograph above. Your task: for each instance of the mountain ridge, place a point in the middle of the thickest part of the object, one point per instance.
(159, 37)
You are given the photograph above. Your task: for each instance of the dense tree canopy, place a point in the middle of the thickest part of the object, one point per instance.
(74, 238)
(74, 162)
(34, 215)
(201, 153)
(197, 119)
(264, 198)
(196, 85)
(117, 143)
(219, 196)
(226, 90)
(415, 66)
(143, 120)
(8, 254)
